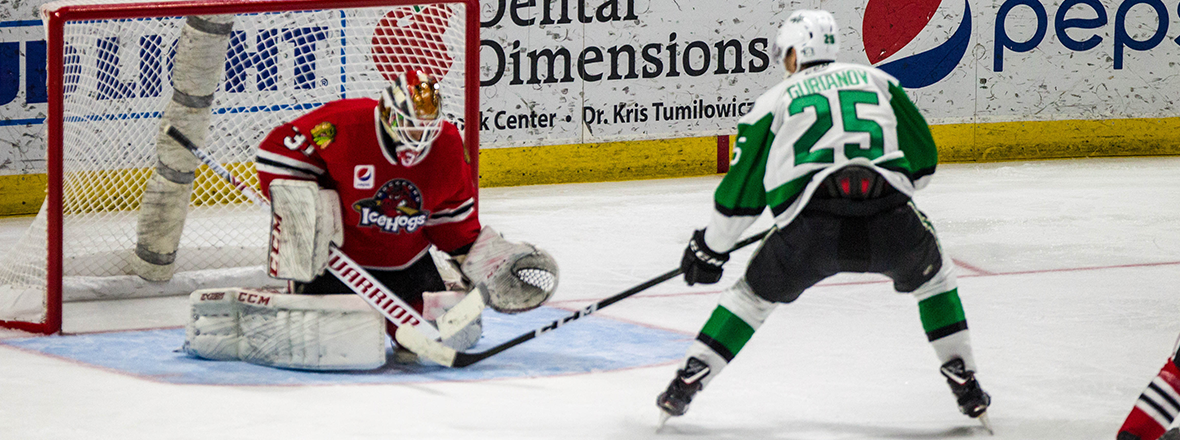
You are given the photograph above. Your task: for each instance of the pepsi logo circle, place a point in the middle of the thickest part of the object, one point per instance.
(890, 25)
(362, 177)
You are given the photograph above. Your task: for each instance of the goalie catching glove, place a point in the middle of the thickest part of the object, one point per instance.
(515, 277)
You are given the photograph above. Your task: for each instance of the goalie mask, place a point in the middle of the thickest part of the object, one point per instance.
(813, 35)
(409, 111)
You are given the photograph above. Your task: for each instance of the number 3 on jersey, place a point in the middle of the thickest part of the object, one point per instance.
(850, 123)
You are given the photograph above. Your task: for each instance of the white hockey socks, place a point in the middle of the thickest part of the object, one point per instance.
(943, 318)
(738, 314)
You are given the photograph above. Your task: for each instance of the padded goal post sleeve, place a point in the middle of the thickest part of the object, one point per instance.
(200, 58)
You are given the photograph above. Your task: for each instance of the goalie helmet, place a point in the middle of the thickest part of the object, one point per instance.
(813, 35)
(409, 111)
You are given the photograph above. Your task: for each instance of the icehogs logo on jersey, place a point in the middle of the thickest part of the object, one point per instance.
(396, 207)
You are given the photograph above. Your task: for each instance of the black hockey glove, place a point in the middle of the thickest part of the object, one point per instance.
(701, 264)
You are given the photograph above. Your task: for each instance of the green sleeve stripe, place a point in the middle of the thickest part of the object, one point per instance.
(782, 197)
(741, 189)
(900, 164)
(728, 331)
(913, 135)
(942, 310)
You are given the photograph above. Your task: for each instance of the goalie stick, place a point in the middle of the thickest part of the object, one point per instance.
(348, 271)
(419, 343)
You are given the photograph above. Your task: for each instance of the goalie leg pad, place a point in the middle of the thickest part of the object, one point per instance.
(306, 332)
(305, 222)
(212, 331)
(517, 276)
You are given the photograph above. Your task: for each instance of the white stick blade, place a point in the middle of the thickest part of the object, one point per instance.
(413, 340)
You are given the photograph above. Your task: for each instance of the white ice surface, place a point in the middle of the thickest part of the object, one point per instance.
(1068, 276)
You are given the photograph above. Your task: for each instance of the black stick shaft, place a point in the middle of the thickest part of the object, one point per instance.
(465, 359)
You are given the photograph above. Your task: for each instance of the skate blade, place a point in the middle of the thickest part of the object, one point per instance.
(664, 416)
(986, 422)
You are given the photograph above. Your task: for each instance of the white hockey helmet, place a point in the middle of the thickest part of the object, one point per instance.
(409, 111)
(812, 33)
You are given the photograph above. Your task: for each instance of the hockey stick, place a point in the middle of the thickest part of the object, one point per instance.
(344, 268)
(449, 357)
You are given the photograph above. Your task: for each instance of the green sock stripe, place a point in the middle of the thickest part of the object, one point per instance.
(942, 310)
(728, 330)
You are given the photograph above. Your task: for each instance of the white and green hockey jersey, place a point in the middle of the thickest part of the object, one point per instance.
(813, 123)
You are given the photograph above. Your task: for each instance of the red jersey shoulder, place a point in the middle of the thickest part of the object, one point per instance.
(340, 113)
(449, 144)
(320, 128)
(343, 109)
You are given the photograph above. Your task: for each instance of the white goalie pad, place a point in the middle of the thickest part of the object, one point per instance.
(517, 276)
(305, 332)
(305, 222)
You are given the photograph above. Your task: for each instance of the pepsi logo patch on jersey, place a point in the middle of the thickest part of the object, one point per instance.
(396, 207)
(363, 177)
(323, 134)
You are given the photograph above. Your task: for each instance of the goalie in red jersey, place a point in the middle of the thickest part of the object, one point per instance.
(386, 179)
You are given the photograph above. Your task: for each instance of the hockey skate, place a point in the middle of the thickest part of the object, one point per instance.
(972, 400)
(673, 402)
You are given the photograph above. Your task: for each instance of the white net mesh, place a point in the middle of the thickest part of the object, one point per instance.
(278, 66)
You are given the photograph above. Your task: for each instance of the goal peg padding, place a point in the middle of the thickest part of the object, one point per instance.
(200, 59)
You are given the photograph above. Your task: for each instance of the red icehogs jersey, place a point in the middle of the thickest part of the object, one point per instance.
(391, 213)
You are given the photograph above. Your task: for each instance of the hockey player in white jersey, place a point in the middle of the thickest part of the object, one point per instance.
(835, 151)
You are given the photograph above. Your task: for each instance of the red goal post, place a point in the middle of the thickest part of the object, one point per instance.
(88, 196)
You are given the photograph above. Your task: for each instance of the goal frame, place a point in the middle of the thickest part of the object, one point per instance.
(55, 21)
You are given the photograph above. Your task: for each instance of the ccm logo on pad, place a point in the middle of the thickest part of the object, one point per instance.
(362, 177)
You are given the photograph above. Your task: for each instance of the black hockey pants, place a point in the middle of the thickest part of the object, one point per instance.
(885, 234)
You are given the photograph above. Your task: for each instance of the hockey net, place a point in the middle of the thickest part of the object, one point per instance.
(111, 69)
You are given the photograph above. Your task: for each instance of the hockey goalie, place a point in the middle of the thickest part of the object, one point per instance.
(382, 180)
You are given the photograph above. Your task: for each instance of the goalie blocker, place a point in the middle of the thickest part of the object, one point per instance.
(305, 223)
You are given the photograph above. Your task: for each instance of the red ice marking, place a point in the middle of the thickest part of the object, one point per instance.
(891, 24)
(972, 268)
